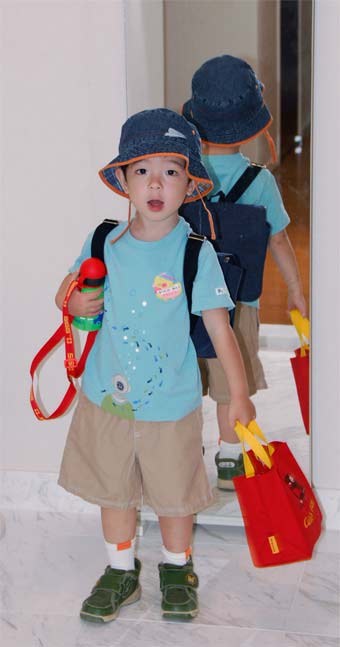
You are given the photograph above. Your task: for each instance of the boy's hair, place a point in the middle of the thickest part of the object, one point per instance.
(154, 133)
(227, 104)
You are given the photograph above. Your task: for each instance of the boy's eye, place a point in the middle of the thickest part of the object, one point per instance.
(171, 172)
(141, 171)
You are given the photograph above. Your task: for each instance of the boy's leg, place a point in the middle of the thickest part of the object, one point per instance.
(119, 585)
(229, 457)
(118, 525)
(178, 582)
(119, 530)
(227, 433)
(176, 532)
(175, 485)
(229, 460)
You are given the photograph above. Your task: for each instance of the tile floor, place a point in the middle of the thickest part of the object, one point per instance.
(50, 560)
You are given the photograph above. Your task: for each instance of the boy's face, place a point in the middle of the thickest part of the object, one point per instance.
(157, 186)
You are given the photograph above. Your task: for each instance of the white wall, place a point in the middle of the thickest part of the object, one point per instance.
(144, 54)
(196, 30)
(63, 103)
(325, 253)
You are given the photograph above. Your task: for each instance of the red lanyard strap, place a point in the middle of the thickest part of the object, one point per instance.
(74, 368)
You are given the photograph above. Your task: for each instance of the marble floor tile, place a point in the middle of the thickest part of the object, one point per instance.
(63, 631)
(317, 597)
(167, 634)
(50, 558)
(47, 568)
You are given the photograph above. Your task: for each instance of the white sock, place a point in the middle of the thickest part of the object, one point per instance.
(230, 450)
(179, 559)
(122, 555)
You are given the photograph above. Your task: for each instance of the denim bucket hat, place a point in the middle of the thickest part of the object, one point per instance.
(152, 133)
(227, 105)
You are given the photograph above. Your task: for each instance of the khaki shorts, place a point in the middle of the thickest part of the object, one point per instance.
(119, 463)
(246, 329)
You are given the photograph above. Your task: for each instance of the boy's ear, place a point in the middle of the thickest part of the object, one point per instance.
(191, 187)
(121, 178)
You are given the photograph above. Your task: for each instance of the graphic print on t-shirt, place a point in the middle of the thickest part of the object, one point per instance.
(166, 287)
(140, 367)
(139, 351)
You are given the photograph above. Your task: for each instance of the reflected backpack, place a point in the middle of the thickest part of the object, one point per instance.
(242, 234)
(241, 230)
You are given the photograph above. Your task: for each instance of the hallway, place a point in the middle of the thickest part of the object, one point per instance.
(293, 178)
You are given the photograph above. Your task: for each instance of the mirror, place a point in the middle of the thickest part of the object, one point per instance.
(275, 37)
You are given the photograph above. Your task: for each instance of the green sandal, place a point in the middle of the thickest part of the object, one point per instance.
(178, 584)
(115, 589)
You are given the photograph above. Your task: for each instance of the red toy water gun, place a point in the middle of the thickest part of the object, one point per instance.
(91, 276)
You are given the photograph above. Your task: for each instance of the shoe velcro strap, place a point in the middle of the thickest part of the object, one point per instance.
(113, 592)
(113, 582)
(177, 577)
(229, 462)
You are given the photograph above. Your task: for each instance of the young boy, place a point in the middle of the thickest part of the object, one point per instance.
(137, 429)
(228, 110)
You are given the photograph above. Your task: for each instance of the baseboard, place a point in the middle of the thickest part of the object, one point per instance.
(40, 492)
(278, 337)
(329, 501)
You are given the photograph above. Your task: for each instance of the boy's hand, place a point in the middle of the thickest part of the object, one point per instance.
(242, 409)
(85, 304)
(81, 304)
(296, 300)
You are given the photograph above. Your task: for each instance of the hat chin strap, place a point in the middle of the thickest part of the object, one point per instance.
(114, 240)
(271, 145)
(210, 218)
(211, 222)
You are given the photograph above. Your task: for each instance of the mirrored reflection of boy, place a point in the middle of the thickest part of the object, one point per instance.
(228, 109)
(136, 434)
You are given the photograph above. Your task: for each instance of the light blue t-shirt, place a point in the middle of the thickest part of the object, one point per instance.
(143, 364)
(225, 170)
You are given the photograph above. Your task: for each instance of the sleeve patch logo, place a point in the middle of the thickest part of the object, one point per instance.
(221, 291)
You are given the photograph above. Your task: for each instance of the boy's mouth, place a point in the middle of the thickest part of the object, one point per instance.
(155, 205)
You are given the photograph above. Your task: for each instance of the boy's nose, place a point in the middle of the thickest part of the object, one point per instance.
(155, 181)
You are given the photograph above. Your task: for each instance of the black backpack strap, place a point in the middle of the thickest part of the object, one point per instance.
(190, 265)
(99, 235)
(247, 177)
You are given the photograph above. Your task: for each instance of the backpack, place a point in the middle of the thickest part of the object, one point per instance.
(241, 230)
(231, 270)
(242, 234)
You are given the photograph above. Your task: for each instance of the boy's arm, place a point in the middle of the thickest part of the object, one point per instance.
(226, 347)
(284, 257)
(81, 304)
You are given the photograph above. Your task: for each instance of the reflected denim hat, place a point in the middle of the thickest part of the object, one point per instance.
(152, 133)
(227, 105)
